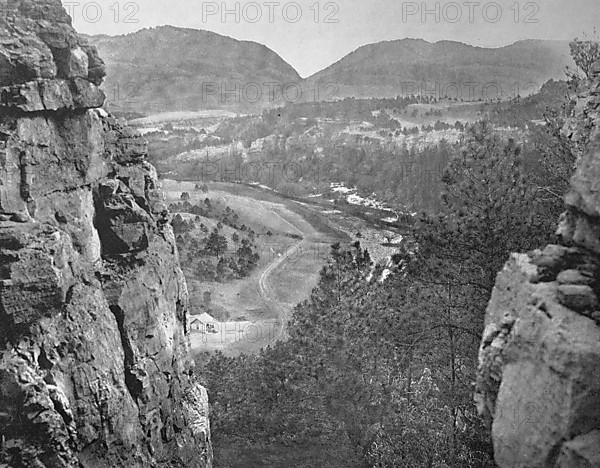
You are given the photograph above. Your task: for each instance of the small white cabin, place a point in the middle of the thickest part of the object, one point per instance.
(204, 323)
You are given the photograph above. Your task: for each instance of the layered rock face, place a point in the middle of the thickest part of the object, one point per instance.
(539, 376)
(94, 366)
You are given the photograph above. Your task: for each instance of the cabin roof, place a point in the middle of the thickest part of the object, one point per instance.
(204, 318)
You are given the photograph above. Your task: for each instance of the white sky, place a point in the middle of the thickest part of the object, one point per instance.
(311, 44)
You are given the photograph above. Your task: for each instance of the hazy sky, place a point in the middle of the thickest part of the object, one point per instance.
(311, 35)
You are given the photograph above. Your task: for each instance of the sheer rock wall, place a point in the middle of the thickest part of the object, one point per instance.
(94, 364)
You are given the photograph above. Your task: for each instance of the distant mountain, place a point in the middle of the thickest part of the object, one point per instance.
(170, 69)
(413, 66)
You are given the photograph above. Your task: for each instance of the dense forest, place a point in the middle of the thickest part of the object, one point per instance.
(379, 368)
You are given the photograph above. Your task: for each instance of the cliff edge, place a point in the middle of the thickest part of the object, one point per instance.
(539, 374)
(94, 365)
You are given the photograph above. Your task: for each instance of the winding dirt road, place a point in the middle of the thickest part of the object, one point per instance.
(262, 304)
(281, 308)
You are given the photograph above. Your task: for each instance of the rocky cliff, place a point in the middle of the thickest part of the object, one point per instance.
(94, 367)
(539, 376)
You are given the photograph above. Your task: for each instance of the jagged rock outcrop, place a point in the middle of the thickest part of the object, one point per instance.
(94, 365)
(539, 375)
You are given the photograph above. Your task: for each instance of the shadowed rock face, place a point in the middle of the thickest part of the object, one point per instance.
(44, 64)
(539, 376)
(94, 366)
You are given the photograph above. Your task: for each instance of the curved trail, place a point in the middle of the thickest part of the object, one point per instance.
(263, 286)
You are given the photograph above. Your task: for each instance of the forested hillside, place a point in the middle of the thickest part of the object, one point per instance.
(406, 66)
(381, 361)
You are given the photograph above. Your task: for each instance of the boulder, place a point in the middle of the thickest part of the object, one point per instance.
(575, 277)
(580, 298)
(78, 65)
(538, 384)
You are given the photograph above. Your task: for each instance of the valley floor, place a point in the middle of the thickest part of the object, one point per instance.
(291, 256)
(294, 240)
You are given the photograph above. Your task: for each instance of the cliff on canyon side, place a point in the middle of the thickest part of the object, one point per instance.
(94, 364)
(539, 375)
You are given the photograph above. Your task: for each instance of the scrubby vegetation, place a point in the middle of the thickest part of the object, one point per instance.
(210, 253)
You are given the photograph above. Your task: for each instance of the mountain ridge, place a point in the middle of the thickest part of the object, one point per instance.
(175, 68)
(170, 68)
(380, 69)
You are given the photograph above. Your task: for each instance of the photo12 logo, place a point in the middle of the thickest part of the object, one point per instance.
(93, 12)
(269, 12)
(240, 332)
(121, 94)
(518, 414)
(272, 92)
(471, 12)
(468, 90)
